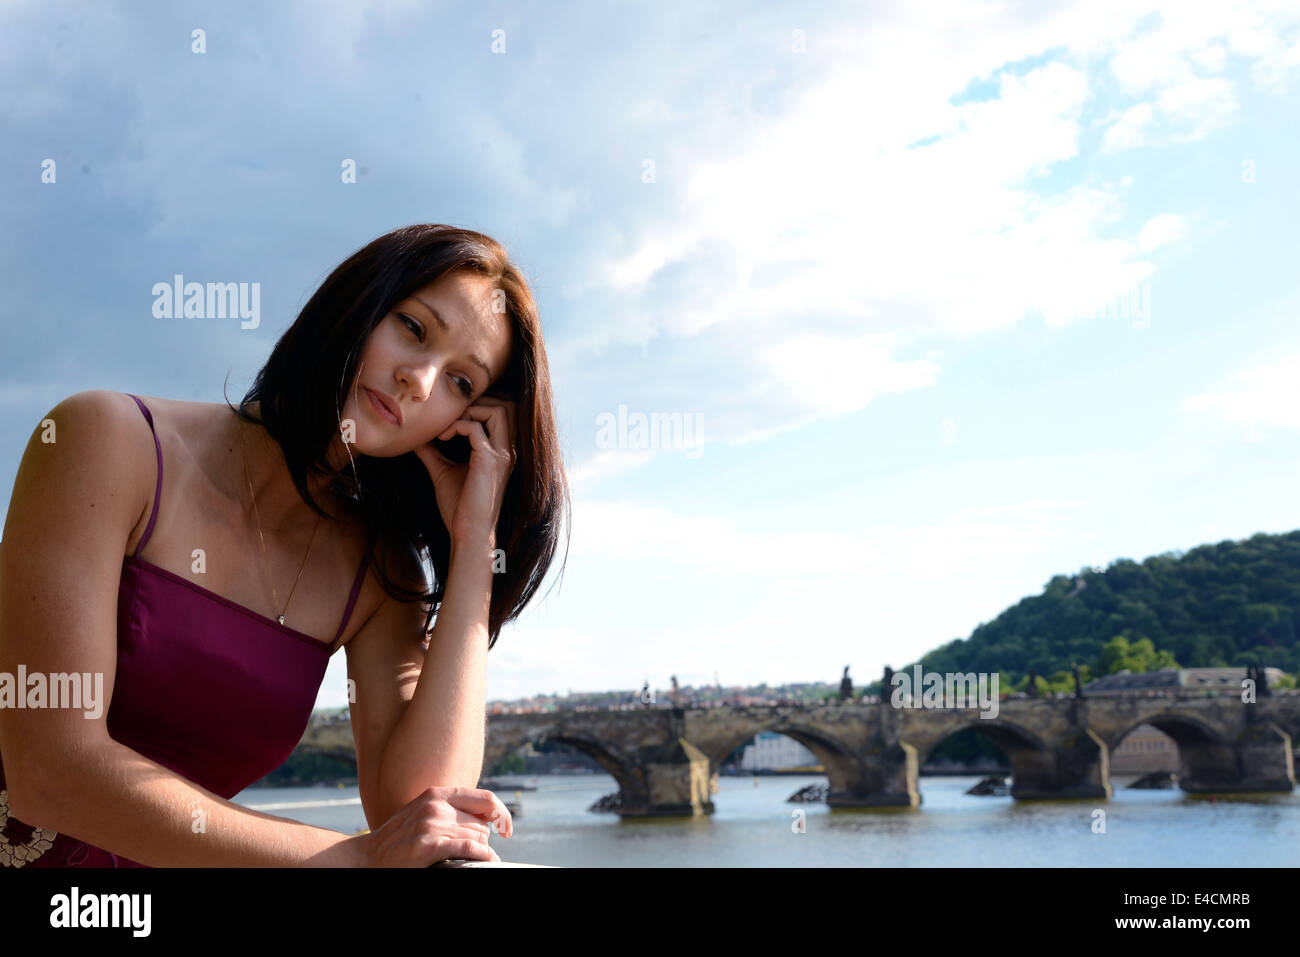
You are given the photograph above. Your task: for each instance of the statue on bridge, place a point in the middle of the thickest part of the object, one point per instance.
(676, 694)
(846, 686)
(1078, 682)
(1259, 676)
(1033, 684)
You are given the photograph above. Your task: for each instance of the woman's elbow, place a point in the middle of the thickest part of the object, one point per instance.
(25, 790)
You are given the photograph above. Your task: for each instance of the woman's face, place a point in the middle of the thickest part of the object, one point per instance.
(427, 373)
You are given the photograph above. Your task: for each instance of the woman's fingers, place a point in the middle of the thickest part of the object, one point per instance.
(499, 419)
(473, 431)
(479, 833)
(484, 805)
(497, 425)
(487, 434)
(473, 824)
(481, 413)
(469, 851)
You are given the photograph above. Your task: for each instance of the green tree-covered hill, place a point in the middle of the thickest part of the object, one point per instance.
(1234, 603)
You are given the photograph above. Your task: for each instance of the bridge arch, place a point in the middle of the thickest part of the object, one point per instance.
(842, 766)
(1204, 755)
(1188, 727)
(622, 769)
(602, 752)
(1032, 760)
(1011, 737)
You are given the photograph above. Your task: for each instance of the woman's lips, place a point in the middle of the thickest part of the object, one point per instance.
(380, 407)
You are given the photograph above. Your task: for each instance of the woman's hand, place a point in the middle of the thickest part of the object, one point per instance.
(439, 824)
(470, 494)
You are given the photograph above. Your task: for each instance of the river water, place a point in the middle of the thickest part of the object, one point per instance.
(754, 826)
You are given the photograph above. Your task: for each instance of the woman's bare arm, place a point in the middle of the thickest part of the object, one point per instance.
(419, 715)
(75, 504)
(135, 807)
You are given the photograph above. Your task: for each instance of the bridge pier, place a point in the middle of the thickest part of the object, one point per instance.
(1259, 760)
(671, 781)
(886, 777)
(1077, 766)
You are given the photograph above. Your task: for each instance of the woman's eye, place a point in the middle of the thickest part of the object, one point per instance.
(410, 323)
(465, 386)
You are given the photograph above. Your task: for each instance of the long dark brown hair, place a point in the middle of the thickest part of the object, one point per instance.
(304, 384)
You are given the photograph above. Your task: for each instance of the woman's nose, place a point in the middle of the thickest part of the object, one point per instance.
(419, 381)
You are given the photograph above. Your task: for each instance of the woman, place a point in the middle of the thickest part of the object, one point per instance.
(241, 550)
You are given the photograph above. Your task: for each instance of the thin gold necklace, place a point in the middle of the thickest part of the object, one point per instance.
(265, 557)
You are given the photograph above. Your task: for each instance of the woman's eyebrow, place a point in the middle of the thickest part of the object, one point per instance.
(474, 358)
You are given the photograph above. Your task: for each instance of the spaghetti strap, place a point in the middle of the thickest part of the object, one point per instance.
(356, 590)
(157, 493)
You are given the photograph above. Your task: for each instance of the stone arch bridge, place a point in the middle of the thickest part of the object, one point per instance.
(663, 758)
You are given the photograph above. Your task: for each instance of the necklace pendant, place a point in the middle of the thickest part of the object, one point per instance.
(282, 619)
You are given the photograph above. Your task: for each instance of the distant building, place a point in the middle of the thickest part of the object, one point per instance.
(1175, 680)
(773, 752)
(1143, 750)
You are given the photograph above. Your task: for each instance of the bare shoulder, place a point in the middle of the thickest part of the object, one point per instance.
(93, 447)
(98, 404)
(105, 428)
(87, 473)
(105, 435)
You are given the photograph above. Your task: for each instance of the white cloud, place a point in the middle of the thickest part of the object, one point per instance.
(1161, 231)
(605, 464)
(1174, 62)
(335, 30)
(631, 530)
(653, 111)
(1264, 395)
(906, 189)
(860, 219)
(534, 659)
(1130, 130)
(874, 236)
(833, 376)
(1201, 104)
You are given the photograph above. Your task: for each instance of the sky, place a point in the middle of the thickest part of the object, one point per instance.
(949, 298)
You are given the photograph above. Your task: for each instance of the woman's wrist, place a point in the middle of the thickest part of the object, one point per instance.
(473, 540)
(351, 851)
